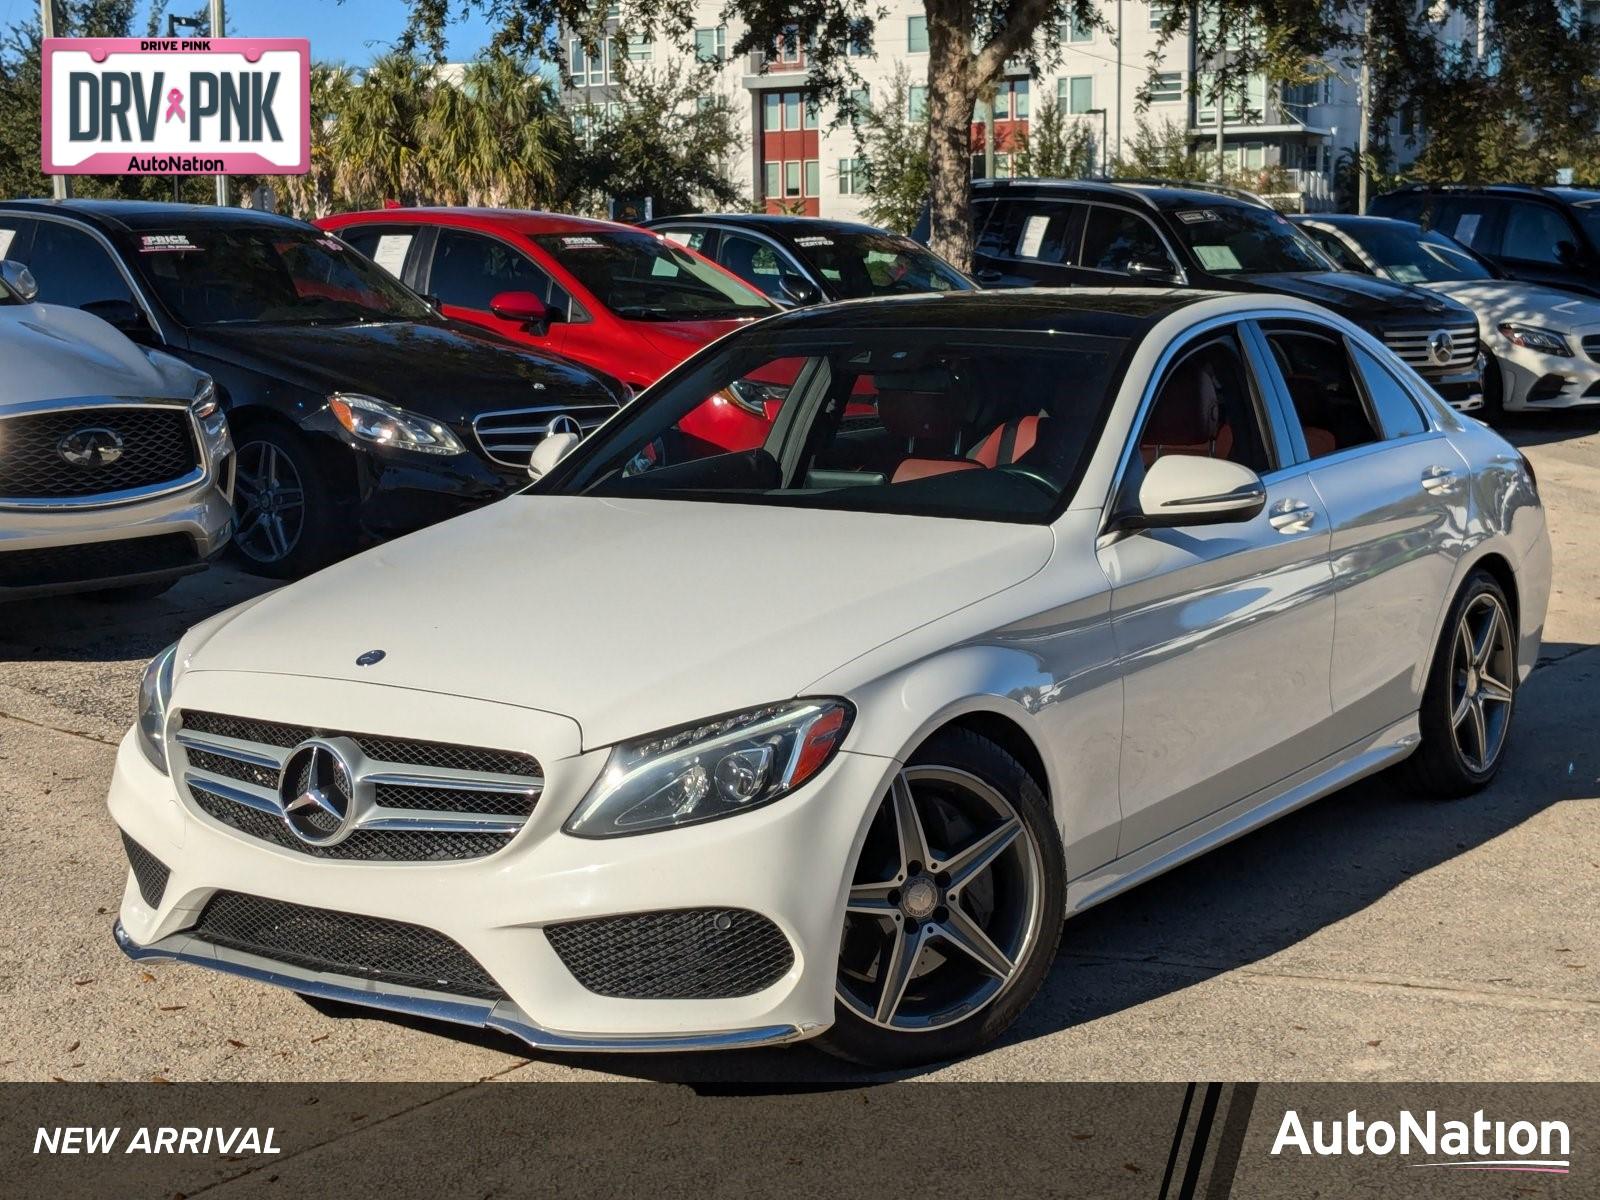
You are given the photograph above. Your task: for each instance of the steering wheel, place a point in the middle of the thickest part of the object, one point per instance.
(1032, 476)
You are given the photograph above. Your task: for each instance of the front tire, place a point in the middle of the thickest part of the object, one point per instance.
(955, 908)
(1470, 694)
(286, 520)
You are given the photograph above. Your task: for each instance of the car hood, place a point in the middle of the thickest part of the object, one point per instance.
(627, 616)
(676, 340)
(441, 370)
(1497, 300)
(52, 352)
(1355, 296)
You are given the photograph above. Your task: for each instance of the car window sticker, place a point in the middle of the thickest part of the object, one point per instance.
(1033, 236)
(158, 243)
(391, 252)
(1217, 258)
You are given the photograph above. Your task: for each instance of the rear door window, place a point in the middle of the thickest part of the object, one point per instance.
(1397, 412)
(1538, 233)
(760, 264)
(392, 247)
(15, 235)
(700, 240)
(1321, 383)
(470, 269)
(1472, 220)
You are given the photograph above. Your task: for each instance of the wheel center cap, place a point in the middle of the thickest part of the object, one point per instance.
(1472, 681)
(919, 898)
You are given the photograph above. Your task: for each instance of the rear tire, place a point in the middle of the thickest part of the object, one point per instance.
(1470, 694)
(964, 913)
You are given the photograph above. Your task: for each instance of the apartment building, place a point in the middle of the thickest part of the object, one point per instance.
(798, 160)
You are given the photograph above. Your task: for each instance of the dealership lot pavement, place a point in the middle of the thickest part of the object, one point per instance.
(1372, 936)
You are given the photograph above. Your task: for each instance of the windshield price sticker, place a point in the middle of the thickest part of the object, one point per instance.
(1194, 216)
(176, 106)
(814, 240)
(580, 243)
(157, 243)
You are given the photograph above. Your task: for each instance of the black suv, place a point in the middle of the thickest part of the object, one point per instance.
(1548, 235)
(358, 411)
(1071, 233)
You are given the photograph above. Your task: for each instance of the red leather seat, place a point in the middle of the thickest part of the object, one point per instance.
(1187, 419)
(1004, 444)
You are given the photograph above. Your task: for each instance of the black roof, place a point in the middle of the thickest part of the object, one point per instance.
(778, 224)
(1569, 195)
(123, 215)
(1351, 221)
(1159, 194)
(1114, 312)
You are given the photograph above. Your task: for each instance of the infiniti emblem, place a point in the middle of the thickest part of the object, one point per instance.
(316, 790)
(1441, 346)
(92, 447)
(563, 423)
(370, 657)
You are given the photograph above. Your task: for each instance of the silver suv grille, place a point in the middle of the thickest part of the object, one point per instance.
(509, 437)
(397, 799)
(1415, 346)
(95, 451)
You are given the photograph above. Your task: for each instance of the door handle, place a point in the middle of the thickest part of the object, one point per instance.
(1438, 479)
(1292, 516)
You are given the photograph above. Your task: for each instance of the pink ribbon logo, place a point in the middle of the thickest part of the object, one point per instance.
(175, 105)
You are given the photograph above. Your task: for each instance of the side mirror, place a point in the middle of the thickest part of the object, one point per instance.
(1153, 268)
(552, 448)
(1185, 489)
(801, 291)
(18, 280)
(521, 306)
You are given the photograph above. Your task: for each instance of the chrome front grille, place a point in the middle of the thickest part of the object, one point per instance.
(406, 800)
(96, 453)
(1415, 346)
(509, 437)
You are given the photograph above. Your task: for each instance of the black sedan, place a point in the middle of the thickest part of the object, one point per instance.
(359, 411)
(807, 260)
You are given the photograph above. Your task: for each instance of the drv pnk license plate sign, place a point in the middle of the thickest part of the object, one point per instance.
(177, 106)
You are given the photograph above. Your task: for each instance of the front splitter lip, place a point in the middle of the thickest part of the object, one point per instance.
(502, 1015)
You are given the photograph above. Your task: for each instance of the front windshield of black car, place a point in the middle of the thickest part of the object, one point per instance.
(643, 277)
(1231, 239)
(857, 265)
(268, 275)
(987, 424)
(1589, 217)
(1415, 256)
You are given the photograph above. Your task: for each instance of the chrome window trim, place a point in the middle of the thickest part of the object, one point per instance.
(110, 248)
(200, 474)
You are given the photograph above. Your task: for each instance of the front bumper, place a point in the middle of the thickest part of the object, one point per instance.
(202, 513)
(1462, 391)
(1536, 381)
(787, 862)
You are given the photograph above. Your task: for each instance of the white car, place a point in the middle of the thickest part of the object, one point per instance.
(1542, 343)
(1028, 597)
(116, 468)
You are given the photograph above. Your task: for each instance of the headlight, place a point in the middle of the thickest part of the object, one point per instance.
(155, 689)
(1531, 337)
(713, 769)
(205, 398)
(385, 424)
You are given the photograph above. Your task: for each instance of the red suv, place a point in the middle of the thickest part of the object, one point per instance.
(611, 296)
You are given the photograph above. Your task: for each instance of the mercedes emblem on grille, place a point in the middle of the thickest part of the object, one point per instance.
(91, 447)
(369, 658)
(316, 790)
(1441, 346)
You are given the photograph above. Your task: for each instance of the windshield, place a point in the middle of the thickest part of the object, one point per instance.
(932, 422)
(269, 275)
(1415, 256)
(857, 265)
(1589, 217)
(644, 277)
(1235, 240)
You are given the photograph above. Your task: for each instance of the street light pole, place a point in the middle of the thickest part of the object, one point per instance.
(59, 187)
(219, 29)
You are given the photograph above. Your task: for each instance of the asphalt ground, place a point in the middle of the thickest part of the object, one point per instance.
(1372, 936)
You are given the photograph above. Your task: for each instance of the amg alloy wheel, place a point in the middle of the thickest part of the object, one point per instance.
(271, 500)
(954, 909)
(1470, 694)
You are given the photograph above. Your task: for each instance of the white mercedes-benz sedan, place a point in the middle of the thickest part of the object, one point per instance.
(1025, 597)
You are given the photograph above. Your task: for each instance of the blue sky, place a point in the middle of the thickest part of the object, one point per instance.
(353, 31)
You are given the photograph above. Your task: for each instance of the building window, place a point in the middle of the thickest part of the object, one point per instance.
(813, 177)
(852, 176)
(711, 45)
(918, 96)
(791, 110)
(1166, 87)
(1071, 31)
(1002, 166)
(774, 180)
(1158, 13)
(1076, 95)
(789, 45)
(771, 112)
(917, 35)
(791, 179)
(1011, 100)
(1255, 156)
(812, 107)
(640, 48)
(860, 104)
